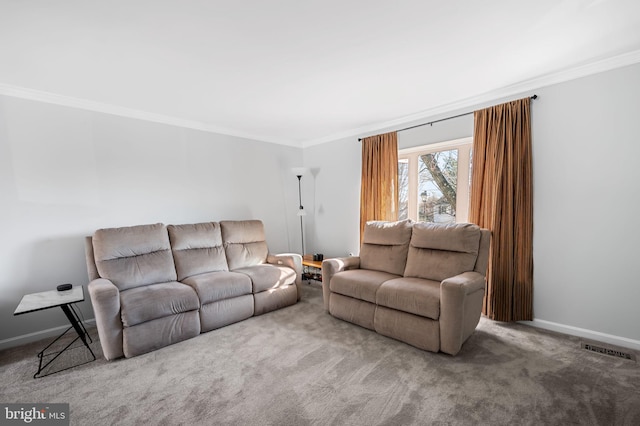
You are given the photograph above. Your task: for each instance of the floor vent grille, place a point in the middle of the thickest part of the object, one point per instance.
(616, 352)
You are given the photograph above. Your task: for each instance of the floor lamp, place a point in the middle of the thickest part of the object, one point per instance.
(299, 172)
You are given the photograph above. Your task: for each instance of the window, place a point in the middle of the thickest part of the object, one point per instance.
(433, 182)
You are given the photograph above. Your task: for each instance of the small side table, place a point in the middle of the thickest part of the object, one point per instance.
(312, 269)
(50, 299)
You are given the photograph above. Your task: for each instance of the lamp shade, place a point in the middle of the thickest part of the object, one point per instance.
(299, 171)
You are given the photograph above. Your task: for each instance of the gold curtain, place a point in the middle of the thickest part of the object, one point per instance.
(379, 184)
(501, 201)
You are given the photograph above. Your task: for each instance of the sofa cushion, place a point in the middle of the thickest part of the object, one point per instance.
(267, 301)
(134, 256)
(421, 332)
(197, 248)
(155, 334)
(146, 303)
(441, 251)
(266, 277)
(224, 312)
(385, 245)
(244, 242)
(414, 295)
(360, 284)
(215, 286)
(352, 310)
(458, 237)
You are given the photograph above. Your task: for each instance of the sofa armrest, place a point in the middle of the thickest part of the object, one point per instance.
(105, 299)
(291, 260)
(460, 309)
(330, 267)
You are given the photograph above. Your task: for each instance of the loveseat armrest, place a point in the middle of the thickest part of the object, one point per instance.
(460, 309)
(105, 299)
(291, 260)
(330, 267)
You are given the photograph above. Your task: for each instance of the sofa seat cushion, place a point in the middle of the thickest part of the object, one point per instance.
(266, 277)
(361, 284)
(215, 286)
(414, 295)
(146, 303)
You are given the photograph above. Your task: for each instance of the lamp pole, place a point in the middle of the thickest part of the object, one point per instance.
(301, 212)
(299, 172)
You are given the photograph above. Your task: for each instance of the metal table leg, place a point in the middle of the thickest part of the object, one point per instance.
(77, 325)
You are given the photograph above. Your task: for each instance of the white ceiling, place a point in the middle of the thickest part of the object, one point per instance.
(301, 72)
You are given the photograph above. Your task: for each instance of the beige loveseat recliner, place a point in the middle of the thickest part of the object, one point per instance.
(421, 283)
(155, 285)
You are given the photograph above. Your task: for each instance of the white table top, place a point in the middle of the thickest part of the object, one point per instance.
(49, 299)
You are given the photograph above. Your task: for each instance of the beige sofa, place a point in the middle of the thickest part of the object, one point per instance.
(420, 283)
(155, 285)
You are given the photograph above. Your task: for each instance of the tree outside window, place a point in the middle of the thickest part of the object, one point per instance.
(429, 182)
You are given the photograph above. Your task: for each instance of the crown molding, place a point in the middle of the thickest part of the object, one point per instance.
(518, 89)
(88, 105)
(573, 73)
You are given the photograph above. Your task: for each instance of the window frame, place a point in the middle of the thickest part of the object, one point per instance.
(411, 156)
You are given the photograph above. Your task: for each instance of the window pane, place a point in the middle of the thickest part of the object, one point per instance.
(403, 189)
(437, 182)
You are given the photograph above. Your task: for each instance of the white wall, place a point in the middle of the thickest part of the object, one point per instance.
(65, 172)
(332, 196)
(586, 149)
(586, 191)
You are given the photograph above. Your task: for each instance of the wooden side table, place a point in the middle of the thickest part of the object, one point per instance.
(311, 269)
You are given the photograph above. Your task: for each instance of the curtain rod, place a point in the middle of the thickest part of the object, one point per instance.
(431, 123)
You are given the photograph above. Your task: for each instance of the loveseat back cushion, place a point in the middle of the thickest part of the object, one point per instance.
(134, 256)
(244, 243)
(197, 249)
(439, 251)
(385, 245)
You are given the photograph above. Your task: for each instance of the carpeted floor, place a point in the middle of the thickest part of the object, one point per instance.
(300, 366)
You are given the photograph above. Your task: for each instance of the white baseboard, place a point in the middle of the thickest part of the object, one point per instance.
(38, 335)
(587, 334)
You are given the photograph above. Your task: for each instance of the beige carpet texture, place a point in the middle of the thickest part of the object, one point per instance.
(300, 366)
